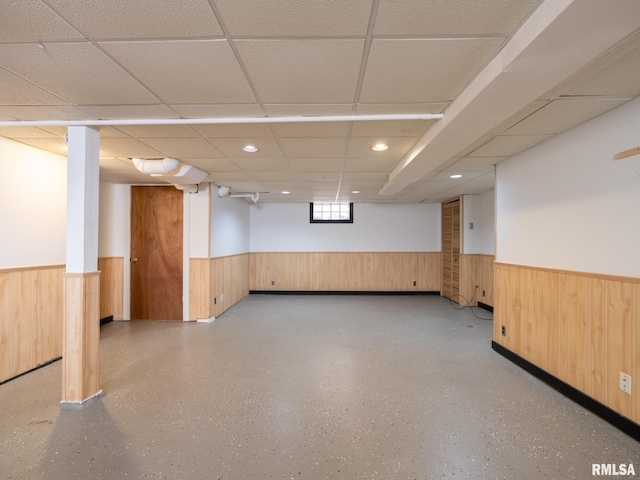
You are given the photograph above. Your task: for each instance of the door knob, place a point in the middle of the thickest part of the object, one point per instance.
(133, 259)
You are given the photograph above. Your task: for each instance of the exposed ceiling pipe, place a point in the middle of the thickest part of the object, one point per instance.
(223, 120)
(253, 196)
(165, 166)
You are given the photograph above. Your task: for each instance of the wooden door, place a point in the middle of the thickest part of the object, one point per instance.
(156, 253)
(451, 250)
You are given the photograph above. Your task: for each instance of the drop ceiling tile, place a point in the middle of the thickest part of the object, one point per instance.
(365, 177)
(218, 111)
(127, 147)
(160, 131)
(313, 147)
(561, 115)
(33, 21)
(273, 177)
(115, 165)
(54, 145)
(278, 165)
(391, 128)
(508, 145)
(433, 186)
(214, 164)
(318, 176)
(295, 18)
(26, 132)
(110, 112)
(235, 130)
(311, 129)
(45, 112)
(232, 147)
(370, 164)
(6, 118)
(17, 92)
(276, 187)
(77, 72)
(360, 147)
(316, 164)
(107, 132)
(400, 71)
(297, 71)
(183, 148)
(362, 186)
(400, 108)
(243, 186)
(222, 177)
(297, 110)
(466, 17)
(120, 19)
(208, 67)
(486, 181)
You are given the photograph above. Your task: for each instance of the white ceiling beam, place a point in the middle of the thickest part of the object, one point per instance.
(558, 39)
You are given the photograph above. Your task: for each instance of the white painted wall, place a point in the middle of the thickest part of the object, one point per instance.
(199, 219)
(33, 206)
(285, 227)
(479, 210)
(568, 204)
(229, 226)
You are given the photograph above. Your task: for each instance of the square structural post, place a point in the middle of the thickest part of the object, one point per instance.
(81, 342)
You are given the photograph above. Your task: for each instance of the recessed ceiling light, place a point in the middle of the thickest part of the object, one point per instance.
(250, 148)
(380, 147)
(355, 191)
(285, 192)
(455, 175)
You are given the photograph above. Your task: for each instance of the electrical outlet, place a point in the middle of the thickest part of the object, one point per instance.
(414, 283)
(273, 282)
(222, 297)
(625, 383)
(504, 330)
(483, 293)
(215, 300)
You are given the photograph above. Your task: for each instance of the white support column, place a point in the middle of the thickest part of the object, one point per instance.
(80, 355)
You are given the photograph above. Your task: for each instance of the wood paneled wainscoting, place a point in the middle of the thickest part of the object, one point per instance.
(111, 287)
(31, 318)
(476, 270)
(216, 284)
(583, 329)
(346, 271)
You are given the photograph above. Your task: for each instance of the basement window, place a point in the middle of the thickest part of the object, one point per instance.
(330, 212)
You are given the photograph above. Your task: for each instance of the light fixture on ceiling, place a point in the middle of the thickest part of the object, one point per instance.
(380, 147)
(456, 175)
(355, 191)
(250, 148)
(285, 192)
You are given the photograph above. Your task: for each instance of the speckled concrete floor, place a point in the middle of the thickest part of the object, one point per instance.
(326, 387)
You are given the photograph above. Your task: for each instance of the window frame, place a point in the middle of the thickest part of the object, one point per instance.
(312, 220)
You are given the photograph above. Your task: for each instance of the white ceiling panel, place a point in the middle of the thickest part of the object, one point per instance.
(318, 177)
(370, 164)
(303, 71)
(183, 148)
(109, 112)
(311, 129)
(218, 111)
(313, 147)
(462, 17)
(214, 164)
(26, 132)
(365, 177)
(316, 164)
(159, 131)
(54, 145)
(232, 147)
(295, 18)
(235, 130)
(475, 164)
(273, 176)
(444, 177)
(508, 145)
(262, 164)
(423, 70)
(116, 165)
(126, 148)
(209, 67)
(77, 72)
(561, 115)
(33, 21)
(43, 112)
(119, 19)
(17, 91)
(302, 109)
